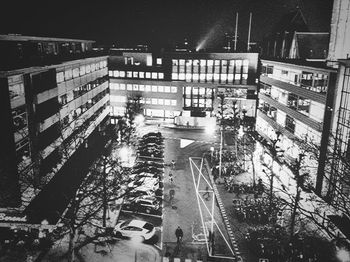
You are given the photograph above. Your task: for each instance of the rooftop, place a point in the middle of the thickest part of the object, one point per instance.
(22, 38)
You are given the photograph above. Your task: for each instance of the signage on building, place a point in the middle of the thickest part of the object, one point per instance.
(4, 217)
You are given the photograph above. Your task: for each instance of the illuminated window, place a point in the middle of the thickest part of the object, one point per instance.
(160, 101)
(174, 76)
(122, 86)
(237, 76)
(182, 61)
(75, 72)
(244, 76)
(181, 76)
(68, 74)
(142, 87)
(110, 73)
(173, 102)
(160, 88)
(129, 74)
(148, 74)
(135, 87)
(154, 101)
(175, 62)
(203, 62)
(167, 89)
(122, 74)
(187, 102)
(209, 77)
(142, 74)
(97, 65)
(135, 74)
(160, 75)
(159, 61)
(208, 103)
(210, 62)
(230, 77)
(116, 73)
(129, 87)
(174, 89)
(223, 77)
(60, 77)
(154, 75)
(149, 61)
(148, 100)
(167, 102)
(142, 100)
(114, 86)
(202, 77)
(148, 88)
(188, 77)
(238, 65)
(188, 90)
(154, 88)
(82, 70)
(87, 69)
(216, 77)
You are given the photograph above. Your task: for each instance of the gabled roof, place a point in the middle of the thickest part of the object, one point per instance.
(294, 21)
(309, 45)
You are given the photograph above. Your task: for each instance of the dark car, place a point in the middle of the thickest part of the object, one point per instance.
(145, 203)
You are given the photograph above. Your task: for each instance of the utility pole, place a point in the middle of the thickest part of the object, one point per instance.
(236, 28)
(250, 25)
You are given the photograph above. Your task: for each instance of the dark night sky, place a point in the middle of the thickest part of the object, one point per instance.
(154, 22)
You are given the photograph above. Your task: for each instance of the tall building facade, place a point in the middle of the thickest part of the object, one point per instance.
(47, 109)
(170, 84)
(296, 101)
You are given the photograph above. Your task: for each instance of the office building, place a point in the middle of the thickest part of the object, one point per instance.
(50, 106)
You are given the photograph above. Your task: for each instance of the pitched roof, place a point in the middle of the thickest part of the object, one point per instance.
(311, 45)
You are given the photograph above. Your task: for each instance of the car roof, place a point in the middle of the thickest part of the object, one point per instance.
(136, 223)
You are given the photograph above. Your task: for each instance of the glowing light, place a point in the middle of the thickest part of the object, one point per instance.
(343, 255)
(210, 129)
(139, 119)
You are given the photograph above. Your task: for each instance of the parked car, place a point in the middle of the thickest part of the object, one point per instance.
(148, 182)
(145, 163)
(147, 204)
(142, 191)
(134, 228)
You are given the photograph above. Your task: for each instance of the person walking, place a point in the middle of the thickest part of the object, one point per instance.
(206, 195)
(173, 164)
(171, 178)
(179, 234)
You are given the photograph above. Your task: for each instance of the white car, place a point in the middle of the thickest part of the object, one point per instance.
(145, 182)
(134, 229)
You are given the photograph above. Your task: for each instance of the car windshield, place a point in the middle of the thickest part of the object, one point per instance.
(124, 223)
(148, 226)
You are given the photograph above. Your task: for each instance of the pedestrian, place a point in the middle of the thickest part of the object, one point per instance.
(179, 234)
(206, 194)
(171, 178)
(173, 164)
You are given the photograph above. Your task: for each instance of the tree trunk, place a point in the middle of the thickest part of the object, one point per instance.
(71, 246)
(294, 212)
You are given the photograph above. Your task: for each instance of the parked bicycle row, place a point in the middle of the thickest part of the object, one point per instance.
(258, 211)
(274, 244)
